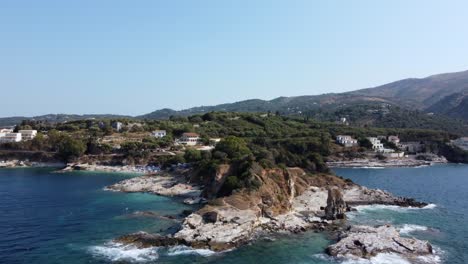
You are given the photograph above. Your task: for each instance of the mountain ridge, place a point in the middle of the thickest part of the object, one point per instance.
(443, 94)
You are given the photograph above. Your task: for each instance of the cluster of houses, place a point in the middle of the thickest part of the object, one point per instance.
(378, 146)
(461, 143)
(8, 136)
(187, 139)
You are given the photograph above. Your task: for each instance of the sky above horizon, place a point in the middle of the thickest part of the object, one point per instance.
(133, 57)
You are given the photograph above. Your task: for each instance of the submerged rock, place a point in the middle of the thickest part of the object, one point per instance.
(366, 242)
(145, 240)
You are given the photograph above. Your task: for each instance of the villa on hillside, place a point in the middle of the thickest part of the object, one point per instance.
(11, 137)
(394, 139)
(28, 134)
(214, 141)
(412, 146)
(377, 146)
(5, 131)
(159, 133)
(189, 139)
(346, 141)
(117, 126)
(461, 143)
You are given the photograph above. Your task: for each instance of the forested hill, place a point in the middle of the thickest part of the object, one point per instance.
(436, 102)
(443, 94)
(55, 118)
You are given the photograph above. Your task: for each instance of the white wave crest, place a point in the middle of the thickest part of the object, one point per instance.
(409, 228)
(383, 258)
(119, 252)
(184, 250)
(376, 207)
(429, 206)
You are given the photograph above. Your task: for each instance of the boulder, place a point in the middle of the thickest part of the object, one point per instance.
(336, 206)
(210, 217)
(193, 220)
(366, 242)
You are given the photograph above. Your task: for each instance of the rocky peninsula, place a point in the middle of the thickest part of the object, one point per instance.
(289, 200)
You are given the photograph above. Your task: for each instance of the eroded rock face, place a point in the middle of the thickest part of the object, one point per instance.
(219, 229)
(336, 206)
(366, 242)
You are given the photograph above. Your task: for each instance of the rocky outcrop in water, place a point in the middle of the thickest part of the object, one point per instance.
(358, 195)
(288, 200)
(366, 242)
(336, 206)
(166, 185)
(144, 240)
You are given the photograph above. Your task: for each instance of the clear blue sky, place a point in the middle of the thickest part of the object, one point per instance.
(133, 57)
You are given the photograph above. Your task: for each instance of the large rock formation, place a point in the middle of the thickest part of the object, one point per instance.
(336, 206)
(287, 200)
(366, 242)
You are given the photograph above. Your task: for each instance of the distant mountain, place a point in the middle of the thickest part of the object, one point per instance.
(435, 101)
(421, 93)
(55, 118)
(284, 105)
(425, 94)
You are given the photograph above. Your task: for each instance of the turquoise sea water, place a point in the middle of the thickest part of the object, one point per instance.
(69, 218)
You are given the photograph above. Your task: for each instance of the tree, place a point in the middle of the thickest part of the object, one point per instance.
(234, 147)
(192, 155)
(365, 143)
(70, 149)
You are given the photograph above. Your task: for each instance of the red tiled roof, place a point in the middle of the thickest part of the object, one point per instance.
(191, 135)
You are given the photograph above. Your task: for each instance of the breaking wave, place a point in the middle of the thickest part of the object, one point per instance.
(383, 258)
(184, 250)
(376, 207)
(119, 252)
(409, 228)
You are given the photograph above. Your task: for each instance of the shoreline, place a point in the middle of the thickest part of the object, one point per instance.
(377, 164)
(221, 226)
(137, 169)
(11, 164)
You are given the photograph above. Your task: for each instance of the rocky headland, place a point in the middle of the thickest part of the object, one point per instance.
(14, 163)
(288, 200)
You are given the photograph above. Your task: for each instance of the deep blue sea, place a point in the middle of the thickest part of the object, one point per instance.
(50, 217)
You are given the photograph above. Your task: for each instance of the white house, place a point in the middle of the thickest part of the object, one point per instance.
(461, 143)
(159, 133)
(189, 139)
(394, 139)
(346, 141)
(28, 134)
(117, 125)
(11, 137)
(377, 146)
(6, 130)
(214, 141)
(412, 147)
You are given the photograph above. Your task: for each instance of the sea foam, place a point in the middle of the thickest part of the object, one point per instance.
(184, 250)
(119, 252)
(376, 207)
(409, 228)
(383, 258)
